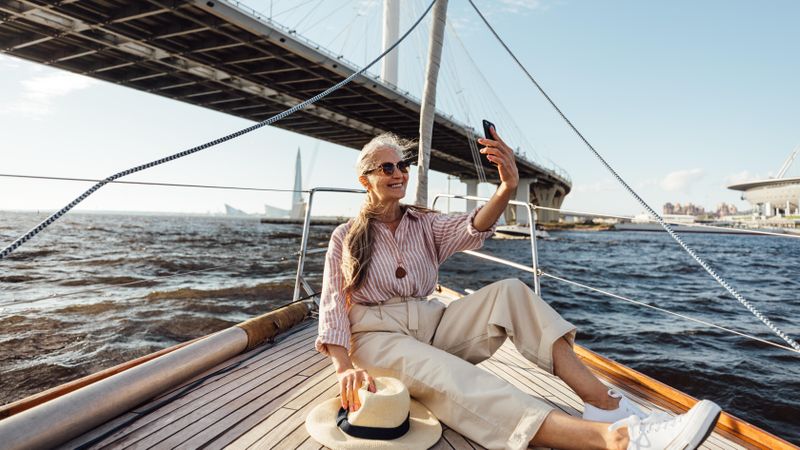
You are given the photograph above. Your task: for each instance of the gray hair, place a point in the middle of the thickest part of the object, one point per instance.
(357, 254)
(400, 145)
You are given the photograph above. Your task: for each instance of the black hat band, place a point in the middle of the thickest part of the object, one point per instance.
(370, 432)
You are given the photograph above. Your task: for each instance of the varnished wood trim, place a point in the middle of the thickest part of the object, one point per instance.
(448, 292)
(677, 401)
(262, 328)
(268, 325)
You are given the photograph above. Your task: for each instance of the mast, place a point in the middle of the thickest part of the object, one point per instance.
(427, 113)
(391, 31)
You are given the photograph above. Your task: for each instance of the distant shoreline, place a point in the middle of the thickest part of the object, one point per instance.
(576, 227)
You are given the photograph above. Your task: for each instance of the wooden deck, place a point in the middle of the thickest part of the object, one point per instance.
(260, 399)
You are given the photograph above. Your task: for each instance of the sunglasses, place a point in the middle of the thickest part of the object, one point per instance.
(388, 168)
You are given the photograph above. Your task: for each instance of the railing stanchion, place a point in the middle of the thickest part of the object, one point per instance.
(303, 243)
(299, 281)
(534, 253)
(531, 222)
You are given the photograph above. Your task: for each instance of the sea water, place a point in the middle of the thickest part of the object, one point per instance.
(93, 291)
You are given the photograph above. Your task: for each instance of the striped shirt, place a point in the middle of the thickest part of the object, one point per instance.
(421, 243)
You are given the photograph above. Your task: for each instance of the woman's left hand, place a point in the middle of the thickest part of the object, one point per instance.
(498, 152)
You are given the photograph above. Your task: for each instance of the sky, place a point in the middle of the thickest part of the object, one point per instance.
(682, 98)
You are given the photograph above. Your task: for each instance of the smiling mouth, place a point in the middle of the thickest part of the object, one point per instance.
(397, 185)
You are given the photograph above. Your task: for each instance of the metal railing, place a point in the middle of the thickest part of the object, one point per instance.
(534, 269)
(300, 281)
(301, 261)
(532, 227)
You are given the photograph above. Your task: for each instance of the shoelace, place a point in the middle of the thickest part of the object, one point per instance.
(654, 422)
(626, 404)
(630, 408)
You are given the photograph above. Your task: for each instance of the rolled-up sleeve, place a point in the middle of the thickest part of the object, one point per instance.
(334, 326)
(455, 233)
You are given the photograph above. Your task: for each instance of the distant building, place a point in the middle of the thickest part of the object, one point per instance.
(273, 212)
(298, 210)
(683, 210)
(689, 209)
(298, 204)
(724, 209)
(777, 196)
(231, 211)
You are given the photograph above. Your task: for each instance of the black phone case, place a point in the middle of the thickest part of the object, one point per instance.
(486, 133)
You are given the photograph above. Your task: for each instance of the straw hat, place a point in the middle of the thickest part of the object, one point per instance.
(387, 419)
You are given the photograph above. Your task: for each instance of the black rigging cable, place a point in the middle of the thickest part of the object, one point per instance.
(154, 183)
(55, 216)
(644, 204)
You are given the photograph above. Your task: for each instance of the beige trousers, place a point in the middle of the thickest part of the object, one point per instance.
(431, 345)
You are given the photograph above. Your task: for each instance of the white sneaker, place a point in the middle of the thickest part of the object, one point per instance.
(625, 409)
(661, 432)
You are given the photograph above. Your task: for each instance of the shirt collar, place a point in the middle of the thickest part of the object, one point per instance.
(412, 213)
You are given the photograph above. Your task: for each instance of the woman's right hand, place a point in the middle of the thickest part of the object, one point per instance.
(350, 381)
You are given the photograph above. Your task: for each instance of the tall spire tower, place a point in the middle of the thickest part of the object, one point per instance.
(298, 204)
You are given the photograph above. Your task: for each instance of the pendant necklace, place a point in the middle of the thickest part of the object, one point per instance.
(400, 272)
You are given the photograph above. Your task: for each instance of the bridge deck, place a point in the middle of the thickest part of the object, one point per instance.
(216, 55)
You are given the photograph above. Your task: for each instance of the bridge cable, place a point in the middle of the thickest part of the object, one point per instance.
(650, 210)
(55, 216)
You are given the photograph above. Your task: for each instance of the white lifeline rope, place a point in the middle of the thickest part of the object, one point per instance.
(155, 183)
(55, 216)
(682, 316)
(650, 210)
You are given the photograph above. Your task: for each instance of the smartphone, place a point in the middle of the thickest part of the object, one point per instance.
(486, 133)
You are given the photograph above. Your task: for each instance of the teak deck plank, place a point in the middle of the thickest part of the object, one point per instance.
(309, 444)
(272, 431)
(250, 430)
(320, 388)
(243, 435)
(243, 423)
(290, 345)
(538, 382)
(206, 425)
(242, 418)
(237, 393)
(517, 365)
(263, 403)
(292, 432)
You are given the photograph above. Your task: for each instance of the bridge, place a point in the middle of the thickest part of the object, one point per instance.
(221, 55)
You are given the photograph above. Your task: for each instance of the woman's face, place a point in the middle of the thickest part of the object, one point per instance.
(386, 188)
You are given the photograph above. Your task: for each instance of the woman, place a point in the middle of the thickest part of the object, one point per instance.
(378, 318)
